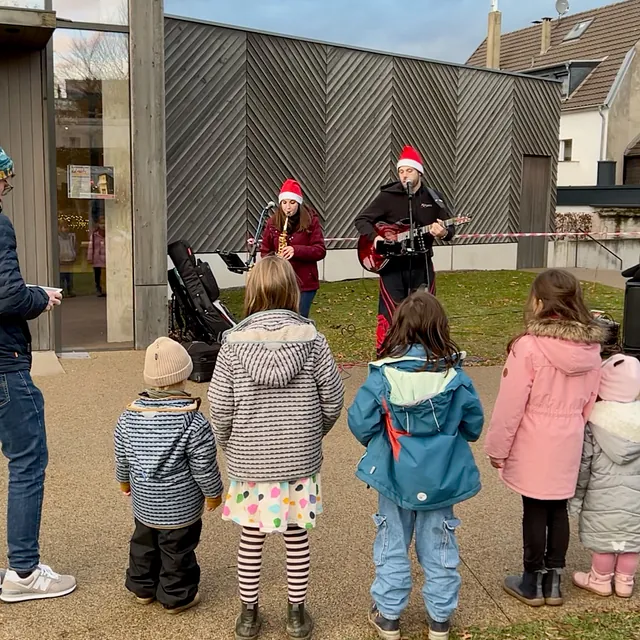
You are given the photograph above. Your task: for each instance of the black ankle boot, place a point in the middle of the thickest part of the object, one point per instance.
(299, 622)
(248, 622)
(552, 587)
(438, 630)
(526, 588)
(387, 629)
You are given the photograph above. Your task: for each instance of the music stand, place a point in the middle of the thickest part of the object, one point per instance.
(233, 262)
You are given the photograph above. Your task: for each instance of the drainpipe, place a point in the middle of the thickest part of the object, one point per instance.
(603, 130)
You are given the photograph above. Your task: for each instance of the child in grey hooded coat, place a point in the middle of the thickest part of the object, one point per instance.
(608, 492)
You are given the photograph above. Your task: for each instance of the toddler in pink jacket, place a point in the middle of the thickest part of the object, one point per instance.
(549, 386)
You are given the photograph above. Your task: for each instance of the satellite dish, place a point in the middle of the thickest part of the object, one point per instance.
(562, 6)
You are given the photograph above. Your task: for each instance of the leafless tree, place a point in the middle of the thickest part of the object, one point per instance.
(97, 55)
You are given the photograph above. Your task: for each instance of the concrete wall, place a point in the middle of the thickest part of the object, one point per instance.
(589, 254)
(584, 128)
(146, 20)
(624, 116)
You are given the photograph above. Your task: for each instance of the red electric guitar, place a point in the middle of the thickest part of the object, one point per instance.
(396, 237)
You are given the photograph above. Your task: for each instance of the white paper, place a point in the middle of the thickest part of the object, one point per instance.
(47, 289)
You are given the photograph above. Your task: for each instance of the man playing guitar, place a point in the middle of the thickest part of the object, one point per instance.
(405, 273)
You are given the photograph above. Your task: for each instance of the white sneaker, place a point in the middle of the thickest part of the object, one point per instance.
(42, 583)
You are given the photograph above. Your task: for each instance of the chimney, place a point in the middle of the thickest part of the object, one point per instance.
(493, 37)
(545, 44)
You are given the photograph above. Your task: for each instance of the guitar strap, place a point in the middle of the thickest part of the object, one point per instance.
(437, 198)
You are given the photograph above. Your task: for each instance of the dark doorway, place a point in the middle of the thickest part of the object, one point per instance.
(632, 170)
(534, 211)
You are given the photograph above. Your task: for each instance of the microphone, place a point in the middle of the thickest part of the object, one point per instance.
(270, 205)
(408, 186)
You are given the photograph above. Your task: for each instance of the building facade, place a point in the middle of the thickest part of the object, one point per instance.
(67, 105)
(594, 55)
(245, 110)
(82, 104)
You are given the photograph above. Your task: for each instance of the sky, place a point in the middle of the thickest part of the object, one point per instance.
(447, 30)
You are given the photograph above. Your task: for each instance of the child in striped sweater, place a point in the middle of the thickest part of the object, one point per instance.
(166, 460)
(275, 393)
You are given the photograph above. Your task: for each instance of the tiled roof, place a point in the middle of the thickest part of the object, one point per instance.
(615, 30)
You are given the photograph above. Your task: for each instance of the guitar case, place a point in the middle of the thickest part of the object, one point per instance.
(198, 317)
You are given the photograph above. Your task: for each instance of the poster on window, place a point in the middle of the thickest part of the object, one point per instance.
(90, 183)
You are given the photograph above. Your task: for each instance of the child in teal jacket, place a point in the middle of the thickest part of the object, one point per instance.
(416, 414)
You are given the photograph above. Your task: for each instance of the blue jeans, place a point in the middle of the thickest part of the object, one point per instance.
(438, 554)
(24, 444)
(306, 298)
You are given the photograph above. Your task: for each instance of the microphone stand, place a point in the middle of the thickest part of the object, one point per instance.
(256, 238)
(411, 247)
(233, 260)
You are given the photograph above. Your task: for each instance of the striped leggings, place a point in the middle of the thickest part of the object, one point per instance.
(296, 541)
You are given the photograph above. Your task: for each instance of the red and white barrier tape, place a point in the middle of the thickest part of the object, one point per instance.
(476, 236)
(573, 234)
(603, 235)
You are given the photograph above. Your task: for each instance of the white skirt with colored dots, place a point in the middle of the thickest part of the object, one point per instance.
(274, 506)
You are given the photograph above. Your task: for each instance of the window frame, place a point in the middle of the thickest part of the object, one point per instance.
(86, 26)
(579, 32)
(562, 151)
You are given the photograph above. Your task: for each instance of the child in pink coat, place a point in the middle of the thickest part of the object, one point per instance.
(549, 386)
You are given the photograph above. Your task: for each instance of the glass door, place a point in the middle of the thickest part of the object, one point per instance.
(93, 158)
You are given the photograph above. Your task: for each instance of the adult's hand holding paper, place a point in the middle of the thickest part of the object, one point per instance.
(47, 289)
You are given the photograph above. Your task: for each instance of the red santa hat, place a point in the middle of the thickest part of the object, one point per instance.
(290, 190)
(410, 158)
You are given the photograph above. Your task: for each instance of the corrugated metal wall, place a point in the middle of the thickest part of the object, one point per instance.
(247, 110)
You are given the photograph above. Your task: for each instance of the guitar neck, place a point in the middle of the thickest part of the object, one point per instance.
(405, 235)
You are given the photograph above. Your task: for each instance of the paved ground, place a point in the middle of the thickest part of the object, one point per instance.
(87, 522)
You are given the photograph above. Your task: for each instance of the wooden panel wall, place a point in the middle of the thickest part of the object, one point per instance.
(24, 136)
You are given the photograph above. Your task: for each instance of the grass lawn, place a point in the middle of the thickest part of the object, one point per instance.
(601, 626)
(485, 310)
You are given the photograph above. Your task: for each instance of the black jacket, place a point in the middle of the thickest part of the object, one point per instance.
(18, 303)
(391, 205)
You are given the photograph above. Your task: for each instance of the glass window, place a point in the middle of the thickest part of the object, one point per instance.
(566, 150)
(99, 11)
(23, 4)
(578, 30)
(93, 153)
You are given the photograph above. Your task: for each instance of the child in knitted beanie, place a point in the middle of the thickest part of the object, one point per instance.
(166, 460)
(608, 493)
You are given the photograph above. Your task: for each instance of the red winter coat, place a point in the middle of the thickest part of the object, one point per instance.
(308, 249)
